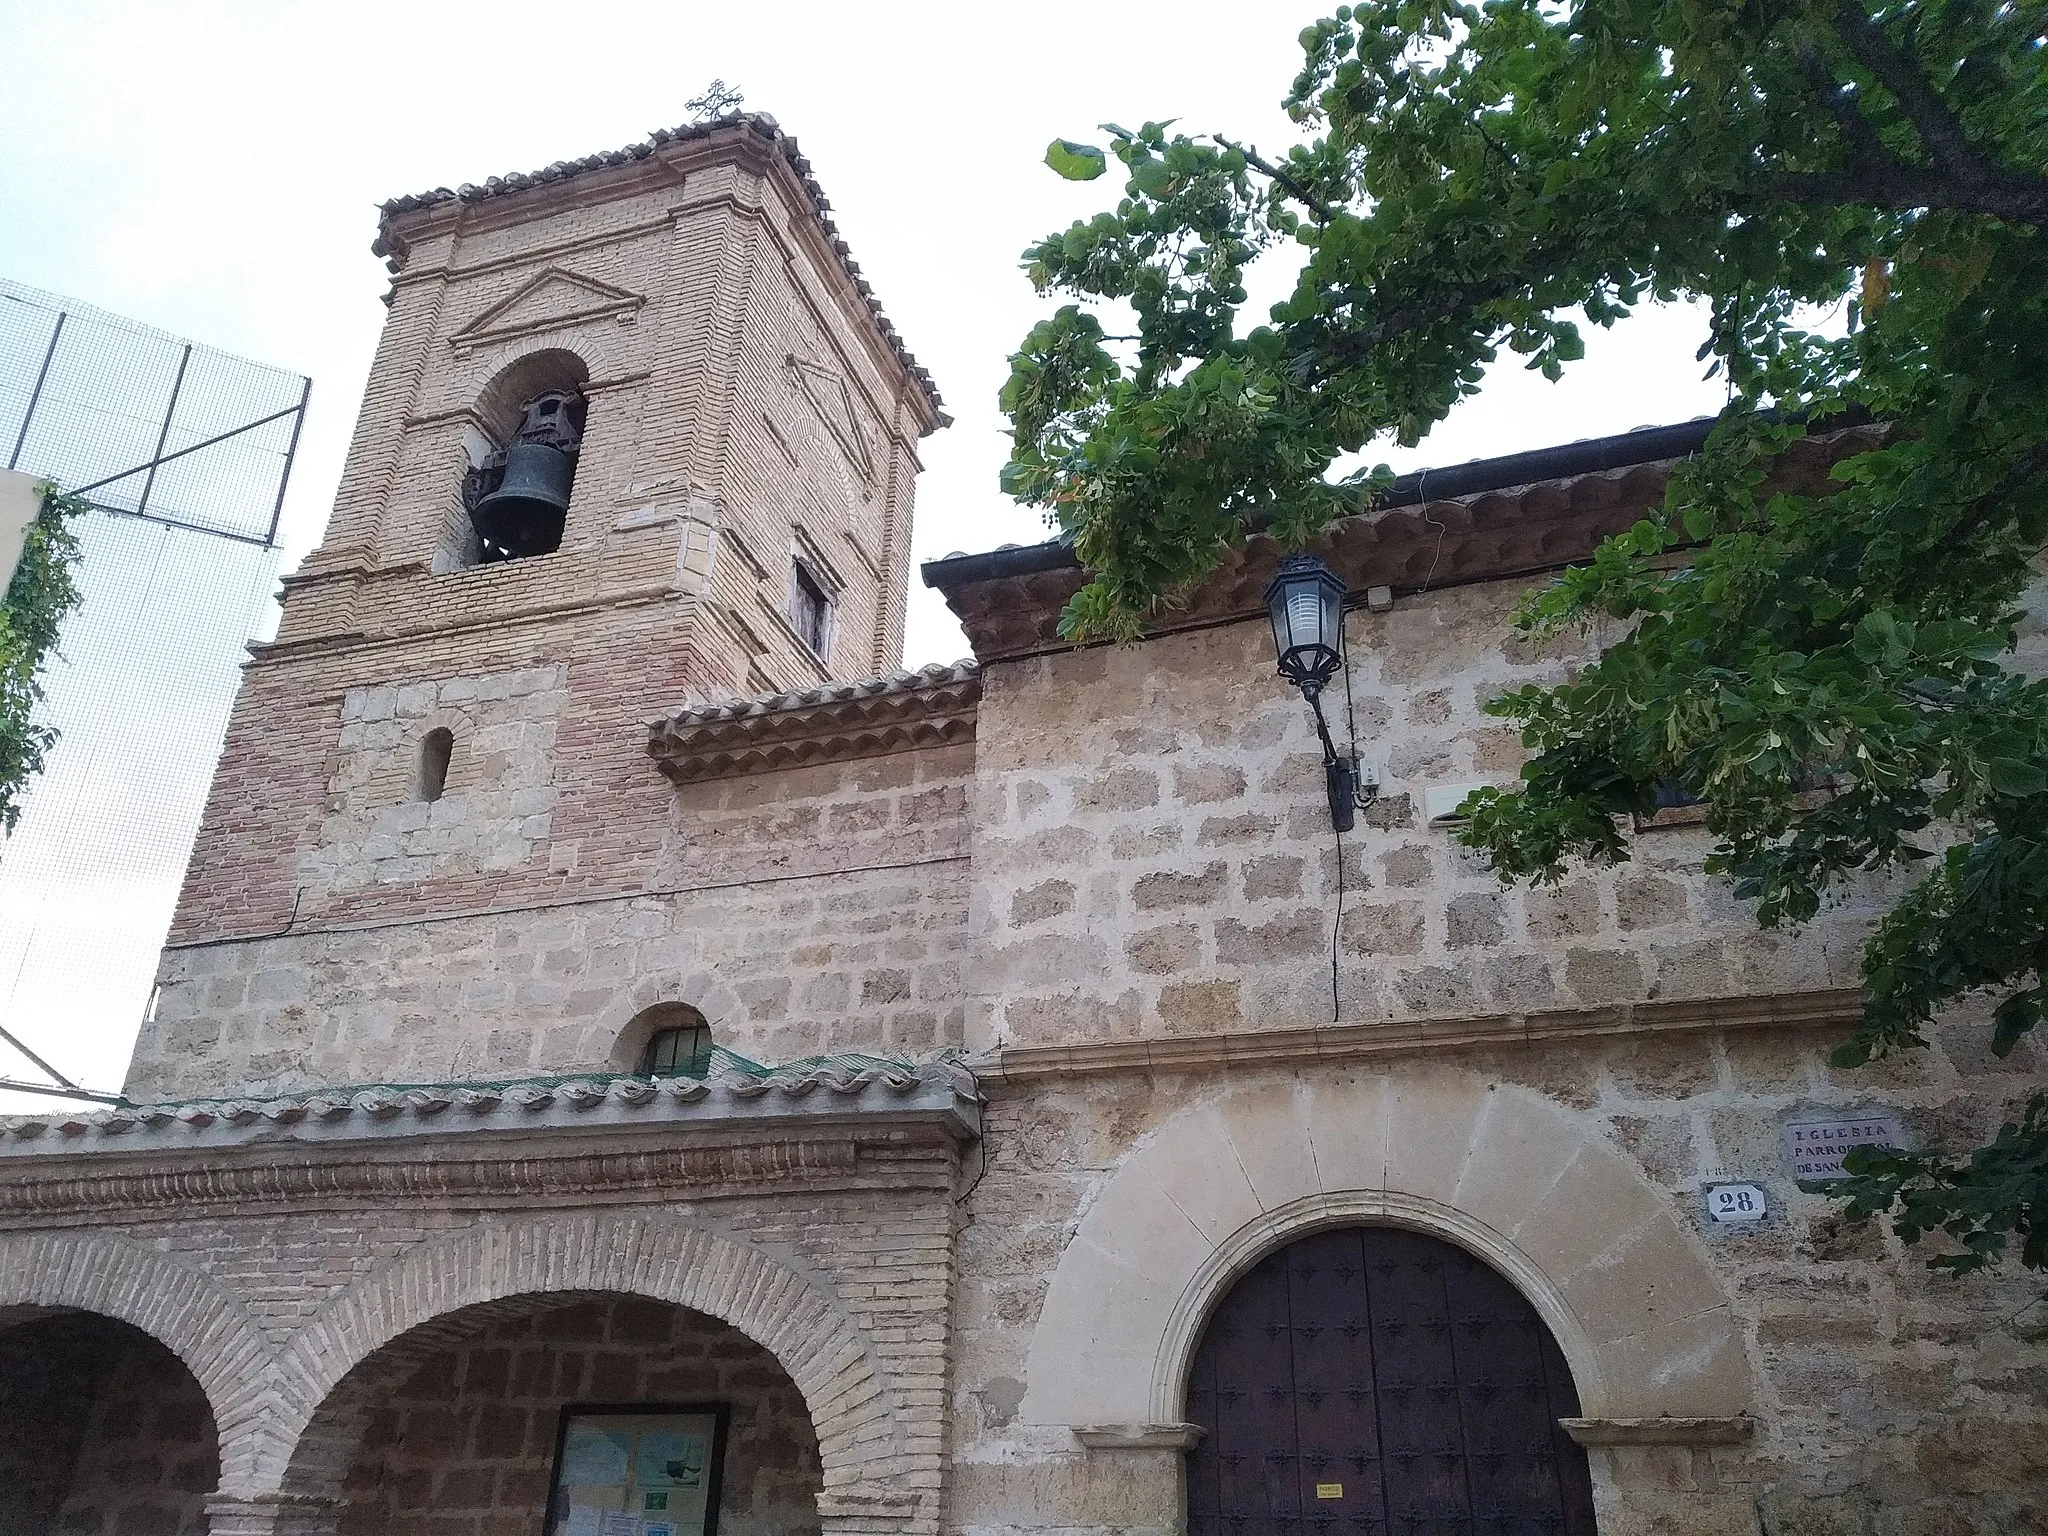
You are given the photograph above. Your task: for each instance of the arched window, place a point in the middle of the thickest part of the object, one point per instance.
(435, 749)
(675, 1041)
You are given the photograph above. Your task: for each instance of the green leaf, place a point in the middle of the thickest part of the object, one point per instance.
(2010, 776)
(1076, 162)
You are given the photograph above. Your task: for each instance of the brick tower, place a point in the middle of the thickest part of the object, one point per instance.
(449, 718)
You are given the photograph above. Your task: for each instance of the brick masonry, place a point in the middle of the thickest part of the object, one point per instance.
(109, 1434)
(466, 1443)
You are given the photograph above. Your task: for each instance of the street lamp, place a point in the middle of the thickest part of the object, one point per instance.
(1305, 601)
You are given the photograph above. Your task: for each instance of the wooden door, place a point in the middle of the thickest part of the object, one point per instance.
(1369, 1381)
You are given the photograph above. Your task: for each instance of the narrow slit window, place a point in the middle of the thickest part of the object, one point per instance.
(435, 751)
(809, 608)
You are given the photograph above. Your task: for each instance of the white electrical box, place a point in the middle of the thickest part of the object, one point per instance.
(1440, 803)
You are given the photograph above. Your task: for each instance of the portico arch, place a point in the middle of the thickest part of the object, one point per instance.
(789, 1310)
(210, 1332)
(1497, 1170)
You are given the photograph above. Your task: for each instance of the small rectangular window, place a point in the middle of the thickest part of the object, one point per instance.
(809, 607)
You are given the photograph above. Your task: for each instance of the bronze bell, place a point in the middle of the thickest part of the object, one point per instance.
(523, 513)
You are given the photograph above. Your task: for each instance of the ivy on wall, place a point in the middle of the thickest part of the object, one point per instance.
(43, 591)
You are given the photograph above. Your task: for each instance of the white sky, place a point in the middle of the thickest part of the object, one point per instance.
(213, 167)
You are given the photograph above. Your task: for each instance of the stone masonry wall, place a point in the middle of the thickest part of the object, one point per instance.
(805, 911)
(103, 1432)
(1153, 854)
(1889, 1400)
(465, 1444)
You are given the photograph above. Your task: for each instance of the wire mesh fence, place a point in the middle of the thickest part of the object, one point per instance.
(184, 453)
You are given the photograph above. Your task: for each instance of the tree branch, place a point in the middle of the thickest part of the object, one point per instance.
(1840, 101)
(1947, 145)
(1300, 193)
(1988, 507)
(1902, 188)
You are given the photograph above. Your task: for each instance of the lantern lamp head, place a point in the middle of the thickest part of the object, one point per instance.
(1305, 601)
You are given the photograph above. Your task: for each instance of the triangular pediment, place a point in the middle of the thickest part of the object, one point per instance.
(546, 301)
(832, 398)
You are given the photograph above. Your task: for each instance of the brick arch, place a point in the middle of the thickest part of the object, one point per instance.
(497, 394)
(182, 1309)
(1499, 1171)
(327, 1376)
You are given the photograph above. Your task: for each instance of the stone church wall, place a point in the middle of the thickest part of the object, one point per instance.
(1154, 856)
(1886, 1399)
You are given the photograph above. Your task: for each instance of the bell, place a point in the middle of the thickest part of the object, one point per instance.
(524, 515)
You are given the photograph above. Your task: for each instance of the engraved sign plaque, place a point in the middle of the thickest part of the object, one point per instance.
(1814, 1147)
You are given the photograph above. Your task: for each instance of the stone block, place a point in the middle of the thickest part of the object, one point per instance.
(1273, 876)
(1383, 928)
(1124, 789)
(1300, 934)
(1047, 899)
(1206, 783)
(1166, 950)
(1602, 975)
(1475, 918)
(1648, 901)
(1180, 889)
(1200, 1007)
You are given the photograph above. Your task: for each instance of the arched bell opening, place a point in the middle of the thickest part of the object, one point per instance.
(546, 1413)
(102, 1428)
(523, 447)
(1372, 1380)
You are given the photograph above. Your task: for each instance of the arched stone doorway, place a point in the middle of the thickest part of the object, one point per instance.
(1375, 1381)
(102, 1428)
(473, 1420)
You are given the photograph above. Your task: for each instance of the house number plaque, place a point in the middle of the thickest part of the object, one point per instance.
(1733, 1204)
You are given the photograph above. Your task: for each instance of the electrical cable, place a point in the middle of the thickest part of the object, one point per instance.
(1351, 733)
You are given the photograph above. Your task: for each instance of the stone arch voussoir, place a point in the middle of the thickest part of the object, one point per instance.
(790, 1311)
(185, 1310)
(1503, 1173)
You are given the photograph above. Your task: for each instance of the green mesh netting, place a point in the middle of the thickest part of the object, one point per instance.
(721, 1061)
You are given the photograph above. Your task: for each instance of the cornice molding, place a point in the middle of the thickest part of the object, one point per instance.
(568, 1141)
(1016, 1065)
(1666, 1431)
(905, 710)
(1010, 602)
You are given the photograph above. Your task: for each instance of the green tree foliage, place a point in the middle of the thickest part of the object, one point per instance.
(1478, 180)
(43, 590)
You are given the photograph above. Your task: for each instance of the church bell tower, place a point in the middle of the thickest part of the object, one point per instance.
(637, 436)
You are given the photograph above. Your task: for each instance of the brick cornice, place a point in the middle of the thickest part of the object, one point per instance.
(253, 1181)
(933, 707)
(1415, 1037)
(1010, 600)
(751, 136)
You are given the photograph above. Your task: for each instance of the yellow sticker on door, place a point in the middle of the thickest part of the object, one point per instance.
(1329, 1490)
